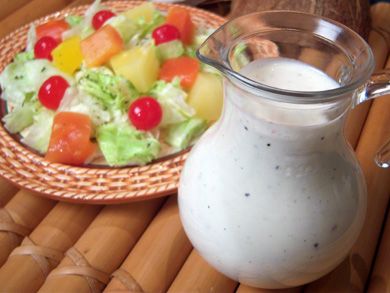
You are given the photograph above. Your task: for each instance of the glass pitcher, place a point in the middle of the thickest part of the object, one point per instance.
(272, 194)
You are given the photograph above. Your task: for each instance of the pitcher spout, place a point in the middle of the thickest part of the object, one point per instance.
(213, 51)
(228, 50)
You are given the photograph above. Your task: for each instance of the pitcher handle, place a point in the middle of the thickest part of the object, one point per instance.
(379, 85)
(382, 158)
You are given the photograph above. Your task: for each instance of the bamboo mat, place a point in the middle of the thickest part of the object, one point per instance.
(47, 246)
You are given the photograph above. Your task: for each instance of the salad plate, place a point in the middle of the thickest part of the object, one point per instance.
(90, 183)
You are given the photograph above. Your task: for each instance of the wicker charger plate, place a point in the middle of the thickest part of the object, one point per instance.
(105, 185)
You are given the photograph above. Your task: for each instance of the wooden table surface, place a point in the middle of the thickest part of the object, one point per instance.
(61, 247)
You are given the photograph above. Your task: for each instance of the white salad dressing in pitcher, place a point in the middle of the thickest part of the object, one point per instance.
(282, 199)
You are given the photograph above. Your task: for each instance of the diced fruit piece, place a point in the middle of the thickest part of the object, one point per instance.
(181, 18)
(144, 11)
(44, 47)
(67, 55)
(165, 33)
(145, 113)
(99, 47)
(101, 17)
(52, 28)
(52, 91)
(184, 67)
(70, 139)
(206, 96)
(139, 65)
(172, 49)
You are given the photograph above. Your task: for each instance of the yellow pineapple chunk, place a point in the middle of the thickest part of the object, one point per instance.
(144, 11)
(206, 96)
(139, 65)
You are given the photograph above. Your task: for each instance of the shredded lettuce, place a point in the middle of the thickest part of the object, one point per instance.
(147, 27)
(182, 134)
(31, 39)
(20, 79)
(73, 20)
(173, 101)
(170, 49)
(201, 35)
(124, 26)
(20, 117)
(123, 145)
(190, 51)
(24, 56)
(144, 29)
(114, 92)
(84, 28)
(79, 102)
(95, 7)
(37, 136)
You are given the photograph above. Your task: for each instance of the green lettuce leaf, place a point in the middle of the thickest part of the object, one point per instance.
(31, 39)
(20, 117)
(124, 26)
(123, 145)
(24, 56)
(84, 28)
(201, 36)
(79, 102)
(170, 49)
(145, 28)
(114, 92)
(182, 134)
(190, 51)
(20, 79)
(173, 102)
(73, 20)
(37, 136)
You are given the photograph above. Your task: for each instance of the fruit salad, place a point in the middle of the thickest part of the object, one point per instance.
(111, 88)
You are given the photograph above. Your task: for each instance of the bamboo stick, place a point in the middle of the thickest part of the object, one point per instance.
(380, 15)
(29, 264)
(102, 248)
(80, 2)
(7, 191)
(158, 255)
(198, 276)
(9, 6)
(29, 12)
(20, 216)
(380, 278)
(352, 273)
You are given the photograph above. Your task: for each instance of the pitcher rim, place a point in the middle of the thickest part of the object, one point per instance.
(284, 95)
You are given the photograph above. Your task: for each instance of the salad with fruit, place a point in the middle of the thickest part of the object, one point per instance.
(111, 88)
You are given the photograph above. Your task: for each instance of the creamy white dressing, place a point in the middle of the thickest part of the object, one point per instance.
(288, 74)
(271, 195)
